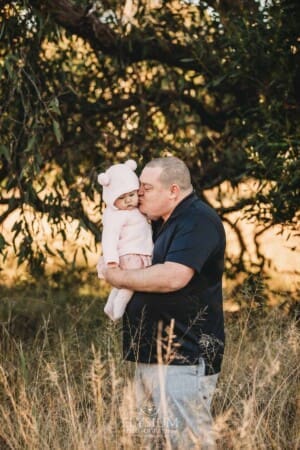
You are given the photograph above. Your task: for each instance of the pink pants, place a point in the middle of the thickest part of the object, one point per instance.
(130, 261)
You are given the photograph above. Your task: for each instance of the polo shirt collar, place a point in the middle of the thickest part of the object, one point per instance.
(185, 203)
(160, 225)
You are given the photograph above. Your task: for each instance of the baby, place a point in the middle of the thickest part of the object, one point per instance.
(127, 235)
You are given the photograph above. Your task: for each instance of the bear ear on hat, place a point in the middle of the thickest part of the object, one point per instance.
(131, 164)
(103, 179)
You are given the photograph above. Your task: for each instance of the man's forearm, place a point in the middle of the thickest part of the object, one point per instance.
(165, 277)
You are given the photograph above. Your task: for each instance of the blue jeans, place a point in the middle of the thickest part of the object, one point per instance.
(174, 401)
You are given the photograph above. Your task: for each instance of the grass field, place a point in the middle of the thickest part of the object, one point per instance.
(62, 378)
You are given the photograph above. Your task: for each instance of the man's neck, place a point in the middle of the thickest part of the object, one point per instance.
(166, 216)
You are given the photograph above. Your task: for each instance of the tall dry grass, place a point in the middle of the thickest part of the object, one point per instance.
(63, 382)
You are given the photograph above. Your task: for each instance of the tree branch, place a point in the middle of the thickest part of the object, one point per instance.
(214, 121)
(132, 48)
(13, 204)
(237, 206)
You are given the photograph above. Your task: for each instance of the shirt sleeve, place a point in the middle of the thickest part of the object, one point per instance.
(193, 243)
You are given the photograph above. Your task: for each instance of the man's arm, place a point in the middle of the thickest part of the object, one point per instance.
(166, 277)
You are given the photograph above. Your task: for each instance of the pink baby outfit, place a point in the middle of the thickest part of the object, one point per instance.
(125, 232)
(126, 236)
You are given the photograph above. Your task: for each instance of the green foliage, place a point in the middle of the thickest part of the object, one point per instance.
(81, 87)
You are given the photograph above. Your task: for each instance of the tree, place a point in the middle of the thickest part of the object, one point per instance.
(86, 84)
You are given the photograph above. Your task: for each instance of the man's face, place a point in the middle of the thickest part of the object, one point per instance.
(154, 198)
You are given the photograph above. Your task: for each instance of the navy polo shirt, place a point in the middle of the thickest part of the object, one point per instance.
(179, 327)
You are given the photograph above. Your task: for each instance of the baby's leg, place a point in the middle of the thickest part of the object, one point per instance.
(109, 306)
(120, 302)
(117, 302)
(119, 298)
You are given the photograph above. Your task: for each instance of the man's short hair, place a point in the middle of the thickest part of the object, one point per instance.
(174, 171)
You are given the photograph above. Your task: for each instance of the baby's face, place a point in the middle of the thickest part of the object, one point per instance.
(128, 201)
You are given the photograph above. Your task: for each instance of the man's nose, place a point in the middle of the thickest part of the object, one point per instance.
(140, 191)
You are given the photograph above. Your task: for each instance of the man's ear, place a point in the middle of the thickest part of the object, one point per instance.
(174, 191)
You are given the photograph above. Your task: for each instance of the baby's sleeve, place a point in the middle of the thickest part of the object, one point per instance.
(112, 225)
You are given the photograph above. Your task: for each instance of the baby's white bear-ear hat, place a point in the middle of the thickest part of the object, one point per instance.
(103, 179)
(118, 180)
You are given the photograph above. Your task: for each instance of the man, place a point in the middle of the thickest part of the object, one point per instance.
(173, 327)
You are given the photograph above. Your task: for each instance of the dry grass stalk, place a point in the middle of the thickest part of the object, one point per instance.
(57, 395)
